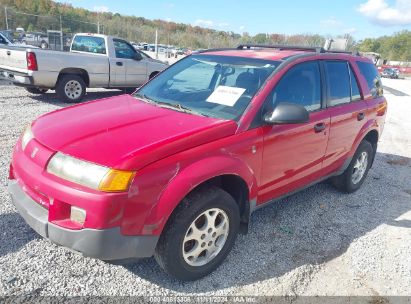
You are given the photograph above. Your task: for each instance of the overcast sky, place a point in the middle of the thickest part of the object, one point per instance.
(361, 18)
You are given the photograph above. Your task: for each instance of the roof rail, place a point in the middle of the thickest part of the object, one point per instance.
(355, 53)
(214, 50)
(296, 48)
(281, 47)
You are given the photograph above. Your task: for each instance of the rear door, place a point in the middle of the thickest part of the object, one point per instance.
(293, 153)
(135, 71)
(348, 112)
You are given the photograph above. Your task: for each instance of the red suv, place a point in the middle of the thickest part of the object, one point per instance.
(176, 169)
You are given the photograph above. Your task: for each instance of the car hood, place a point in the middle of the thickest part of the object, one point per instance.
(125, 133)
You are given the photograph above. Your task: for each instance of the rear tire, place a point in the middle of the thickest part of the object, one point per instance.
(37, 91)
(207, 218)
(71, 88)
(354, 176)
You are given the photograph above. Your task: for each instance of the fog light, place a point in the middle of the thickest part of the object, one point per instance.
(77, 215)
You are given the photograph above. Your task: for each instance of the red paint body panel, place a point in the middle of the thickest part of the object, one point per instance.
(113, 131)
(174, 152)
(293, 156)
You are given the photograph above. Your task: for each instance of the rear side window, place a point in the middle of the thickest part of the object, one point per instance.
(300, 85)
(370, 73)
(338, 78)
(89, 44)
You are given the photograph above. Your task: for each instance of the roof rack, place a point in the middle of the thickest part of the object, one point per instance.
(281, 47)
(294, 48)
(214, 50)
(355, 53)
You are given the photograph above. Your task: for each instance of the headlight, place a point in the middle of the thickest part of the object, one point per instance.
(27, 136)
(88, 174)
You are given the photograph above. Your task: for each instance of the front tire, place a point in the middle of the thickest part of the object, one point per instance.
(199, 234)
(353, 177)
(71, 88)
(37, 91)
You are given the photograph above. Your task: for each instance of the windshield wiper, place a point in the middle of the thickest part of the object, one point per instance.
(145, 98)
(179, 107)
(174, 106)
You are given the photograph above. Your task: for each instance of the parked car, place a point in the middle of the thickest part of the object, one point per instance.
(4, 40)
(176, 169)
(37, 39)
(390, 73)
(94, 61)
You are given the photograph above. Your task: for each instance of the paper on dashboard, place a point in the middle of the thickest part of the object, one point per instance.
(227, 96)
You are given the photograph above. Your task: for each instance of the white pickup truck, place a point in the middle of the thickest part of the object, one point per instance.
(94, 61)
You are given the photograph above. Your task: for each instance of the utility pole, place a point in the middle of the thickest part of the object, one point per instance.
(7, 22)
(156, 45)
(61, 34)
(98, 27)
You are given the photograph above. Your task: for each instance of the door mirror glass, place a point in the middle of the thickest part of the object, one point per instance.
(287, 113)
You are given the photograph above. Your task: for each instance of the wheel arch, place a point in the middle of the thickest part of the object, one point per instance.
(236, 178)
(370, 133)
(153, 74)
(75, 71)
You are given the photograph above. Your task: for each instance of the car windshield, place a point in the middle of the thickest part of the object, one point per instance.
(209, 85)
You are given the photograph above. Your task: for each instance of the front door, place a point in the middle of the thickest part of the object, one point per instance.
(135, 71)
(293, 153)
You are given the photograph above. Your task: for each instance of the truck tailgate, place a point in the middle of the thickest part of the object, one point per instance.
(13, 58)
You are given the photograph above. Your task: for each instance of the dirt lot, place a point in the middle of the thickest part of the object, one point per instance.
(318, 242)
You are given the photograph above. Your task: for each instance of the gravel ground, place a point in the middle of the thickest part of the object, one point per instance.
(317, 242)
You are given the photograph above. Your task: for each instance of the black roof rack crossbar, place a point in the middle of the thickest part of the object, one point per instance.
(282, 47)
(355, 53)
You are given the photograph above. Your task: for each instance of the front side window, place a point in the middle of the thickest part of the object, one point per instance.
(123, 49)
(370, 73)
(209, 85)
(300, 85)
(89, 44)
(338, 80)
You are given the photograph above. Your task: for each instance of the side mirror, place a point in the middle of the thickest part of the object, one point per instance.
(138, 56)
(287, 113)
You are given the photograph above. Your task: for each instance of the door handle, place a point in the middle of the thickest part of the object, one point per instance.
(319, 127)
(360, 116)
(8, 53)
(119, 63)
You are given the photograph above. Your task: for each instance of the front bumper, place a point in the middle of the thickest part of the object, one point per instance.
(104, 244)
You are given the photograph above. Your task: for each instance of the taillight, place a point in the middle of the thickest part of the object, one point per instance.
(31, 61)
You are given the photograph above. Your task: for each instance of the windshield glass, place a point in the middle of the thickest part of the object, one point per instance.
(216, 86)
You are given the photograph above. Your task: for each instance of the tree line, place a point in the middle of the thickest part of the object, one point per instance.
(43, 15)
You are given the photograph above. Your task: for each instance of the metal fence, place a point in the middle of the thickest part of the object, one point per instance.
(51, 31)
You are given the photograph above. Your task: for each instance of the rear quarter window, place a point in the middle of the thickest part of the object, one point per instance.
(370, 73)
